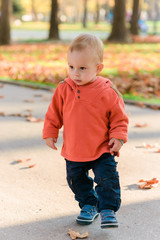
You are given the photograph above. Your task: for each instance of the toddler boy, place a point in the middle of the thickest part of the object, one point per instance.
(95, 125)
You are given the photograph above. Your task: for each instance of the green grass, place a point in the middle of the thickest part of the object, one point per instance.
(28, 82)
(91, 26)
(151, 27)
(141, 99)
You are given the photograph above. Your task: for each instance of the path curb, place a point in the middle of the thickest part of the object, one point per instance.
(49, 88)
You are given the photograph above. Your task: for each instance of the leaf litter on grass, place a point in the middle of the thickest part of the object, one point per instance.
(129, 67)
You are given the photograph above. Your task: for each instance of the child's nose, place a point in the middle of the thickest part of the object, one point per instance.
(76, 73)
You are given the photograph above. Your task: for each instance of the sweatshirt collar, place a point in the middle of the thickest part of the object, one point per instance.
(96, 83)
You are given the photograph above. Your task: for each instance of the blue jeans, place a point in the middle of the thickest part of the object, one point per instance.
(107, 191)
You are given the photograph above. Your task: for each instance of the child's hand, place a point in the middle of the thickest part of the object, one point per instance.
(50, 142)
(115, 145)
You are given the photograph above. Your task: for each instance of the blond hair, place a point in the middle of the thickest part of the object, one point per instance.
(88, 40)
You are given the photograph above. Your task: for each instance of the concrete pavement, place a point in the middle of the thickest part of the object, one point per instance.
(36, 203)
(23, 35)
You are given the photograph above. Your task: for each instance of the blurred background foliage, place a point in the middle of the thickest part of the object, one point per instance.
(132, 64)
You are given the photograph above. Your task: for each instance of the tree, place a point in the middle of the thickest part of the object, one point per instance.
(34, 12)
(17, 7)
(5, 22)
(135, 17)
(85, 13)
(54, 30)
(119, 31)
(97, 12)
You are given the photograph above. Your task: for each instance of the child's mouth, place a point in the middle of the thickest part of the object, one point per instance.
(77, 80)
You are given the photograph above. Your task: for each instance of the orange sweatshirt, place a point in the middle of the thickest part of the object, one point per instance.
(91, 115)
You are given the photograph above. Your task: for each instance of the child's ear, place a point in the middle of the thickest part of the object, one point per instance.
(100, 67)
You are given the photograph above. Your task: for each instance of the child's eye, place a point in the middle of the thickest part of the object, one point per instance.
(71, 67)
(82, 68)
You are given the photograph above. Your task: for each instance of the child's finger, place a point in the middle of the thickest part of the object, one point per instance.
(53, 146)
(111, 142)
(114, 148)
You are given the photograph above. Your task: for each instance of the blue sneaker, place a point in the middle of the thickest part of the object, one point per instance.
(87, 215)
(108, 219)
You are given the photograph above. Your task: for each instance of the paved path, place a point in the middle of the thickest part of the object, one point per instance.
(19, 35)
(36, 203)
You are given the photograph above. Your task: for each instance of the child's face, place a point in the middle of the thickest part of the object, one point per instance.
(83, 66)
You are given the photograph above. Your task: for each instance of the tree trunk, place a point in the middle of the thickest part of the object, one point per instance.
(85, 14)
(119, 31)
(34, 12)
(97, 13)
(54, 31)
(5, 22)
(135, 17)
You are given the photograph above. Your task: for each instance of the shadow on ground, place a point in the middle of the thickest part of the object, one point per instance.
(136, 221)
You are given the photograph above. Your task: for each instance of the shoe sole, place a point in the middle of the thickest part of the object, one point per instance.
(109, 225)
(86, 222)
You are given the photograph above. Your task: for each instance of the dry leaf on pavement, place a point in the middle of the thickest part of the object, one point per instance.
(31, 166)
(23, 160)
(147, 145)
(141, 125)
(29, 100)
(2, 114)
(33, 119)
(37, 95)
(148, 184)
(140, 104)
(75, 235)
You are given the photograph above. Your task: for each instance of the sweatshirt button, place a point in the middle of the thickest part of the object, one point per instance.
(78, 91)
(78, 96)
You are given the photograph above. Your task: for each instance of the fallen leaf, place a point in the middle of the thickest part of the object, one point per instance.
(31, 166)
(19, 161)
(23, 160)
(141, 125)
(148, 184)
(140, 104)
(29, 100)
(154, 107)
(15, 115)
(147, 145)
(33, 119)
(75, 235)
(38, 95)
(2, 114)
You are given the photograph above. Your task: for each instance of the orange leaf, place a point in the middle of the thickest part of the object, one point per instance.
(141, 181)
(23, 160)
(140, 104)
(148, 184)
(141, 125)
(31, 166)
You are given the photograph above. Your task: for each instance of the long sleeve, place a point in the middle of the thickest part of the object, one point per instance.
(54, 116)
(118, 121)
